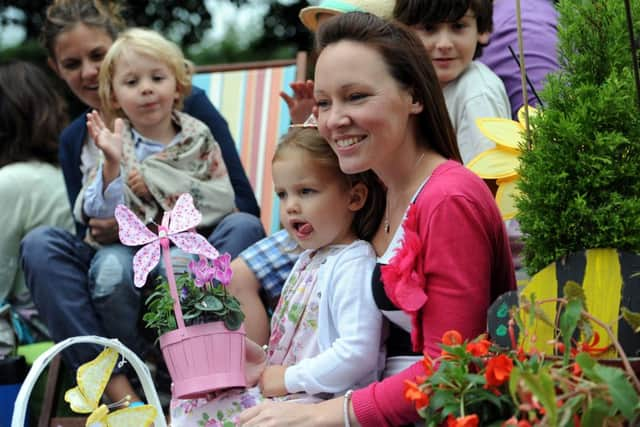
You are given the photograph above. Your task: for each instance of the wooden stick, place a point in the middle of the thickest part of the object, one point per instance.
(634, 54)
(523, 75)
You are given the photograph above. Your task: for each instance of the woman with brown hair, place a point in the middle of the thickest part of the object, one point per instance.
(32, 114)
(442, 248)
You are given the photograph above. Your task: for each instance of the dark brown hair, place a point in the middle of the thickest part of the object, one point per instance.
(63, 15)
(32, 114)
(427, 13)
(408, 64)
(365, 221)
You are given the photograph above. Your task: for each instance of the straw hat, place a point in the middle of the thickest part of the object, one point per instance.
(309, 15)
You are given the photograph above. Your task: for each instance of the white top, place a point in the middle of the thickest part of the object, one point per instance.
(349, 327)
(478, 92)
(33, 194)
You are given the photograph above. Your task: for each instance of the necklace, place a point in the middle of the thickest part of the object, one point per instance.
(387, 224)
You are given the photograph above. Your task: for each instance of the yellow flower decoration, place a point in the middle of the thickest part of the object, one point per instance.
(501, 163)
(92, 378)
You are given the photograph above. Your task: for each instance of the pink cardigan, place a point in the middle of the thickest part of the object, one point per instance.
(456, 246)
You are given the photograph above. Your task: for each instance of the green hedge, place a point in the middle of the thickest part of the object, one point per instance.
(581, 181)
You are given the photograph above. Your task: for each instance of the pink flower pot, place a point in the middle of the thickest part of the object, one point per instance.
(204, 358)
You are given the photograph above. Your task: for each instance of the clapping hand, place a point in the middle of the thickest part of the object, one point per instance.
(302, 102)
(110, 143)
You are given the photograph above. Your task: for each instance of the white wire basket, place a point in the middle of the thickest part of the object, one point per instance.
(22, 401)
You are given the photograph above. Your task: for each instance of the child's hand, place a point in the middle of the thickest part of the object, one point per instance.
(302, 102)
(104, 230)
(272, 381)
(255, 362)
(137, 185)
(110, 143)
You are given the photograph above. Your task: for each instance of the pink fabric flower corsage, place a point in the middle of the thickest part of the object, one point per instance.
(403, 277)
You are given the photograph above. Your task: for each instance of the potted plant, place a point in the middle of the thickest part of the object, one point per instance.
(579, 181)
(199, 322)
(478, 383)
(203, 298)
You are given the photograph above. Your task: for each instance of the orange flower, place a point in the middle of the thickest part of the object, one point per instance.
(452, 338)
(413, 394)
(498, 370)
(468, 421)
(479, 348)
(428, 365)
(513, 422)
(590, 347)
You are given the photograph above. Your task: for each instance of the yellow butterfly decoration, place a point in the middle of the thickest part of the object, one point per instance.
(501, 163)
(92, 378)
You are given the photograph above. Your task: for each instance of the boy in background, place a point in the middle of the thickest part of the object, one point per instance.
(454, 34)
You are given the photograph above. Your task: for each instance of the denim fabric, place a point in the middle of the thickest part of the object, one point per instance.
(117, 302)
(56, 263)
(271, 260)
(81, 291)
(236, 232)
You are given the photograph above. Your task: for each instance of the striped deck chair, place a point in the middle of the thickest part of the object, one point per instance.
(247, 95)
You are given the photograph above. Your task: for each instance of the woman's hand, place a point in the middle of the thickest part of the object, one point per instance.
(272, 414)
(272, 381)
(137, 185)
(329, 413)
(302, 102)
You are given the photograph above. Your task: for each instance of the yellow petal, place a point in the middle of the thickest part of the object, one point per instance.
(140, 416)
(532, 113)
(99, 417)
(92, 378)
(78, 402)
(495, 163)
(505, 197)
(504, 132)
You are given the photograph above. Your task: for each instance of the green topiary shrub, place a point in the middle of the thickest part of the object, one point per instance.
(581, 181)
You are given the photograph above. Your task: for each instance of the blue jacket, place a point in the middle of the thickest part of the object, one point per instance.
(198, 105)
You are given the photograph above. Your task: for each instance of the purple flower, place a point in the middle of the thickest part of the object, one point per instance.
(201, 270)
(222, 270)
(184, 293)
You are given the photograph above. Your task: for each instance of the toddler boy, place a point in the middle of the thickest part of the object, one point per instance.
(453, 34)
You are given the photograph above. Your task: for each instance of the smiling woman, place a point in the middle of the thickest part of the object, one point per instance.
(445, 256)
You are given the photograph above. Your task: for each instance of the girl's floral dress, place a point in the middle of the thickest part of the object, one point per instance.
(293, 337)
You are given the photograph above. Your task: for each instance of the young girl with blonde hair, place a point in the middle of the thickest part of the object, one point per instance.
(326, 330)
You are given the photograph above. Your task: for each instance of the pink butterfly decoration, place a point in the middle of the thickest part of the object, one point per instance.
(182, 218)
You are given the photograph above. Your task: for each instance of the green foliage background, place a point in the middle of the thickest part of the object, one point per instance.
(581, 181)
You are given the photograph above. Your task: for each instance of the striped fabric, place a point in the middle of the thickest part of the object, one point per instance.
(257, 117)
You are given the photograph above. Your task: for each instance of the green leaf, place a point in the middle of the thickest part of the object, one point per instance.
(210, 303)
(568, 409)
(541, 385)
(232, 304)
(573, 291)
(233, 320)
(586, 363)
(597, 410)
(568, 323)
(632, 318)
(624, 396)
